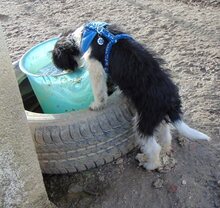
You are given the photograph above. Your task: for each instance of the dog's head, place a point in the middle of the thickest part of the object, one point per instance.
(66, 54)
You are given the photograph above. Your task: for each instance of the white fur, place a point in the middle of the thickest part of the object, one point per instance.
(148, 146)
(151, 149)
(165, 137)
(96, 72)
(79, 61)
(98, 80)
(77, 34)
(188, 132)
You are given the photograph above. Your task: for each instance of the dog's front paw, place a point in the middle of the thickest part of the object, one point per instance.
(96, 106)
(152, 165)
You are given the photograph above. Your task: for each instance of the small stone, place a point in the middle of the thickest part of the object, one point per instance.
(165, 160)
(158, 183)
(183, 182)
(181, 141)
(167, 163)
(218, 182)
(119, 161)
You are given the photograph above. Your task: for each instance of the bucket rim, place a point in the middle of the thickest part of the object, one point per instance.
(40, 75)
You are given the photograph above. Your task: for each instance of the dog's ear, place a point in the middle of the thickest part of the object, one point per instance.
(63, 59)
(65, 54)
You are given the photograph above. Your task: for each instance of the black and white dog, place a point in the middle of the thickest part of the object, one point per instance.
(108, 52)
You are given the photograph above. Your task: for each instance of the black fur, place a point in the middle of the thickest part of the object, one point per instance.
(142, 79)
(64, 54)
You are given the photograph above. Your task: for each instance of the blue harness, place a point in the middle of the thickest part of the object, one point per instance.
(91, 30)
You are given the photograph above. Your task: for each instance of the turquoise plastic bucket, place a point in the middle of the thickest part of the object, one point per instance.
(56, 91)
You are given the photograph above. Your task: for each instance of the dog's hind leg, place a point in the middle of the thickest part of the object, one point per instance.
(148, 146)
(151, 149)
(98, 81)
(165, 137)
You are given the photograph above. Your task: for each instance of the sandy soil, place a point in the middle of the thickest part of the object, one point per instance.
(187, 37)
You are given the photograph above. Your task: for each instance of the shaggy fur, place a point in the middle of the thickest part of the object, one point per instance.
(142, 80)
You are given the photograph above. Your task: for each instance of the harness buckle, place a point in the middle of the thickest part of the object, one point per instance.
(100, 30)
(100, 41)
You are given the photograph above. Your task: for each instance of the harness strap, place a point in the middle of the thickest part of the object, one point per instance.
(99, 27)
(109, 47)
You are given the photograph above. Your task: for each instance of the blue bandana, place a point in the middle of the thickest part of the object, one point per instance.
(91, 30)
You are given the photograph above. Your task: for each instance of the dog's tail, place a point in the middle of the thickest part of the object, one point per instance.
(188, 132)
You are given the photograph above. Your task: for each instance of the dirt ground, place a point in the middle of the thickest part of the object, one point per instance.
(187, 37)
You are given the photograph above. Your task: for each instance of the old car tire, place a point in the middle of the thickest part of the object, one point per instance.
(80, 140)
